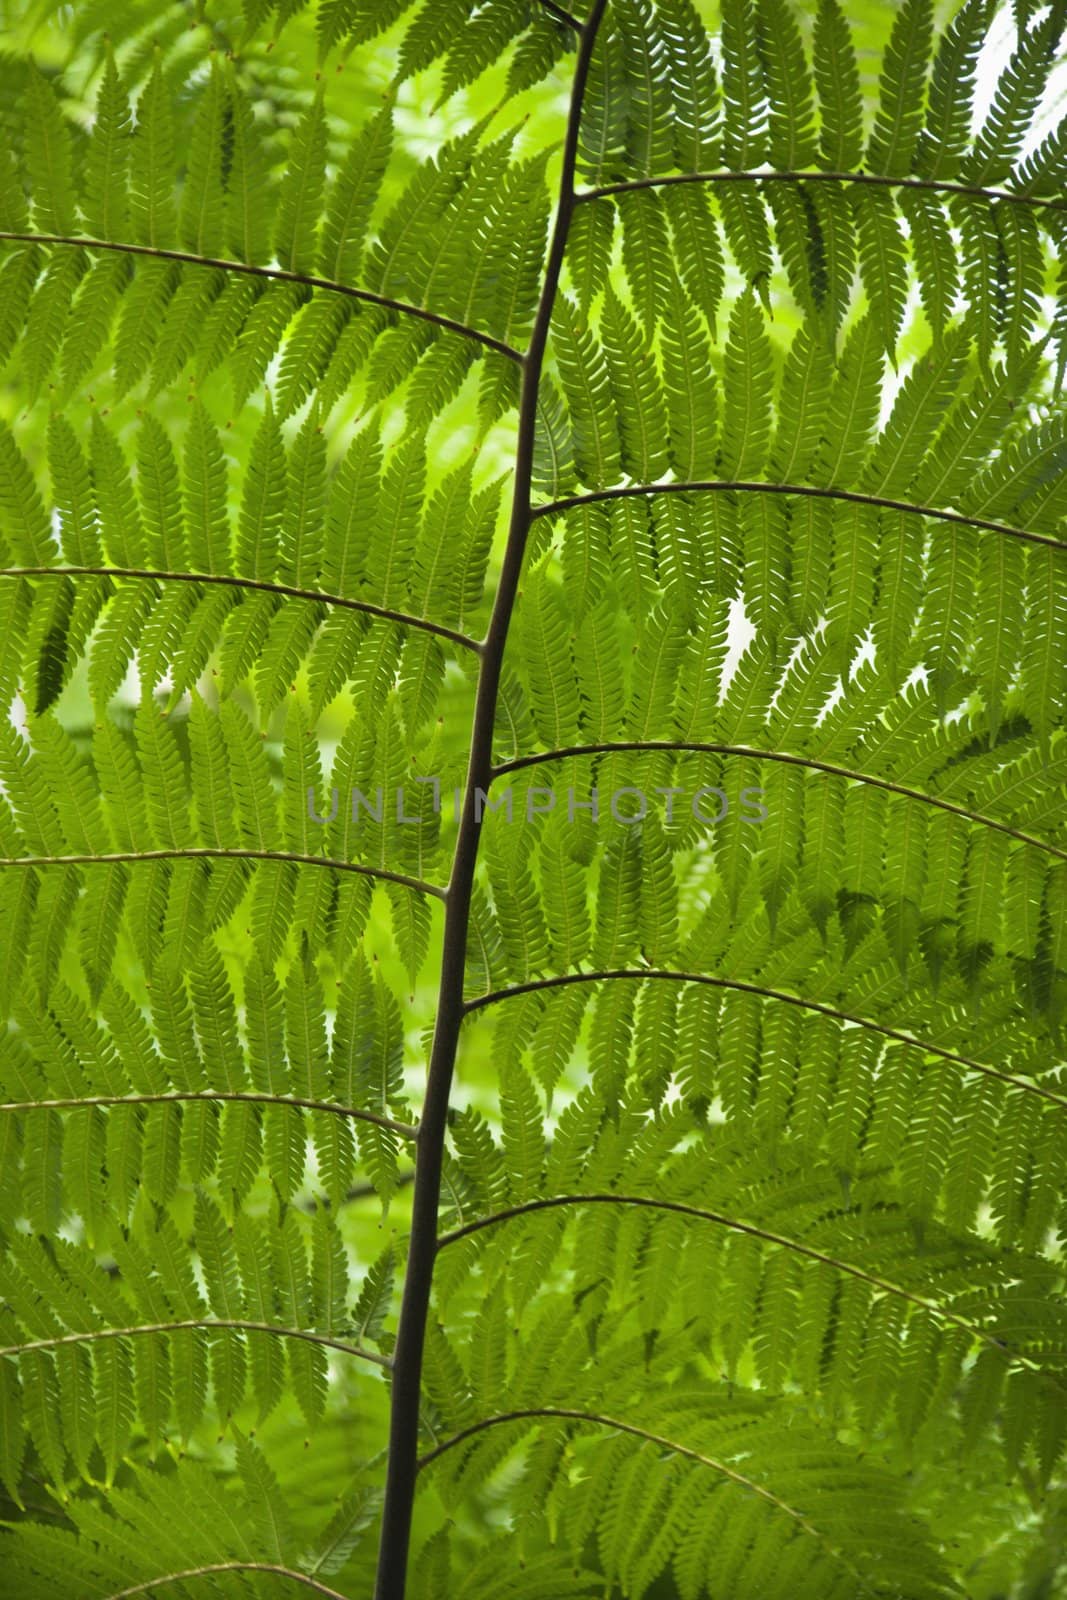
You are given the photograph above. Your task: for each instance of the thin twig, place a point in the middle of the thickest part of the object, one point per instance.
(809, 763)
(971, 190)
(700, 1213)
(229, 580)
(561, 15)
(271, 1568)
(274, 274)
(355, 1192)
(811, 491)
(211, 853)
(563, 980)
(192, 1324)
(405, 1130)
(597, 1418)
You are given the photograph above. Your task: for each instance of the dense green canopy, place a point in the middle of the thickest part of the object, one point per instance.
(533, 873)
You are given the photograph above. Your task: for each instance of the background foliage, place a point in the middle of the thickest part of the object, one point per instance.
(750, 1278)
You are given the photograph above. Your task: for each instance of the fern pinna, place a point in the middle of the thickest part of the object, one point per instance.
(534, 612)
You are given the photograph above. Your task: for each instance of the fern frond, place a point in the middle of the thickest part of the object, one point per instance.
(392, 512)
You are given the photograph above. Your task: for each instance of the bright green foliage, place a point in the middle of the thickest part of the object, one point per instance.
(750, 1273)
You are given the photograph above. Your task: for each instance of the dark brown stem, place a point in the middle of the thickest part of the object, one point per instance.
(811, 491)
(227, 580)
(561, 15)
(405, 1395)
(809, 763)
(934, 185)
(563, 980)
(206, 1096)
(273, 274)
(210, 853)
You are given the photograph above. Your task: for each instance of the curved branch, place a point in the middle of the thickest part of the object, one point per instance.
(814, 492)
(971, 190)
(229, 580)
(754, 1232)
(274, 274)
(561, 15)
(597, 1418)
(211, 853)
(204, 1324)
(406, 1130)
(563, 980)
(269, 1567)
(684, 746)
